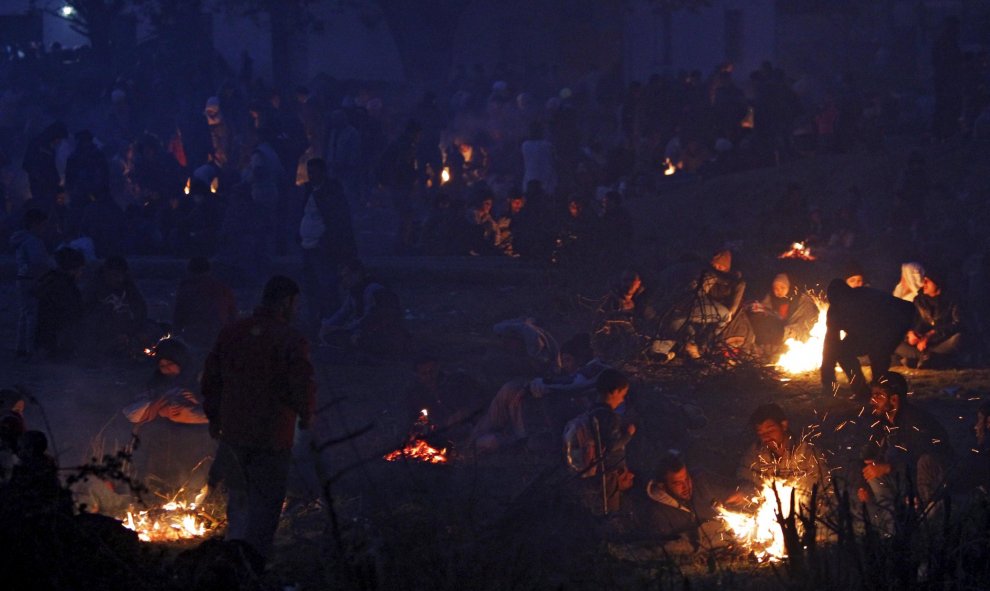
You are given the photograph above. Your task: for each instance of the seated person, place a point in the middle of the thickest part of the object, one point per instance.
(682, 512)
(974, 469)
(912, 275)
(116, 316)
(12, 426)
(911, 446)
(874, 323)
(575, 233)
(34, 487)
(60, 304)
(777, 455)
(784, 313)
(450, 398)
(540, 346)
(854, 275)
(562, 395)
(595, 446)
(370, 320)
(711, 314)
(484, 229)
(170, 424)
(936, 336)
(513, 219)
(203, 305)
(614, 326)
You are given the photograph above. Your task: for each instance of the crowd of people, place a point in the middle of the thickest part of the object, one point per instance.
(497, 166)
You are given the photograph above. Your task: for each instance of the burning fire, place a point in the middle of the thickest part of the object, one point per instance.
(445, 175)
(669, 167)
(150, 351)
(173, 521)
(214, 184)
(801, 357)
(759, 531)
(799, 250)
(467, 152)
(188, 186)
(416, 448)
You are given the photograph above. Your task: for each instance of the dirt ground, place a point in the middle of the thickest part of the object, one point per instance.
(446, 520)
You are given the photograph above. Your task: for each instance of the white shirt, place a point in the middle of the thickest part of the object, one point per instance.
(311, 228)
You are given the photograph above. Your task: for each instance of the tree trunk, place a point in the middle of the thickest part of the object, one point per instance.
(285, 20)
(424, 35)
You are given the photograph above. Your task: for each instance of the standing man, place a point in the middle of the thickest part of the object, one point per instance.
(343, 152)
(326, 232)
(257, 385)
(875, 322)
(32, 260)
(595, 446)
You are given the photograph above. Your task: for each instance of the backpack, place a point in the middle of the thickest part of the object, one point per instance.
(580, 445)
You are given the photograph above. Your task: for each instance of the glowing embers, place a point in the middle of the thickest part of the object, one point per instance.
(799, 250)
(759, 531)
(173, 521)
(416, 448)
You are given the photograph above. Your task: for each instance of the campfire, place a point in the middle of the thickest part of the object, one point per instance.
(804, 356)
(799, 250)
(188, 186)
(445, 175)
(669, 167)
(416, 448)
(173, 521)
(150, 351)
(759, 531)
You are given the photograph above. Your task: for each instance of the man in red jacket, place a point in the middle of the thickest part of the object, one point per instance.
(257, 384)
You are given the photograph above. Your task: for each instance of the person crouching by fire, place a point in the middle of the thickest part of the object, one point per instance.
(170, 426)
(912, 457)
(778, 456)
(784, 313)
(257, 388)
(683, 513)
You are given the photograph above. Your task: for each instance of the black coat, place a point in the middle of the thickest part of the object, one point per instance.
(337, 242)
(873, 320)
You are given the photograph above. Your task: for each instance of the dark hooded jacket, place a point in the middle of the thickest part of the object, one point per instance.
(872, 319)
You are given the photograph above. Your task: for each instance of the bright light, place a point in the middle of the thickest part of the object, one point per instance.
(68, 11)
(800, 357)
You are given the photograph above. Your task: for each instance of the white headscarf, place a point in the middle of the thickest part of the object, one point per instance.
(911, 276)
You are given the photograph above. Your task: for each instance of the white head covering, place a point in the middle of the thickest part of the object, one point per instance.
(911, 276)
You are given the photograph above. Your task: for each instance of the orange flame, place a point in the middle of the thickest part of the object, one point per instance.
(669, 167)
(759, 530)
(804, 356)
(188, 186)
(172, 521)
(418, 449)
(798, 251)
